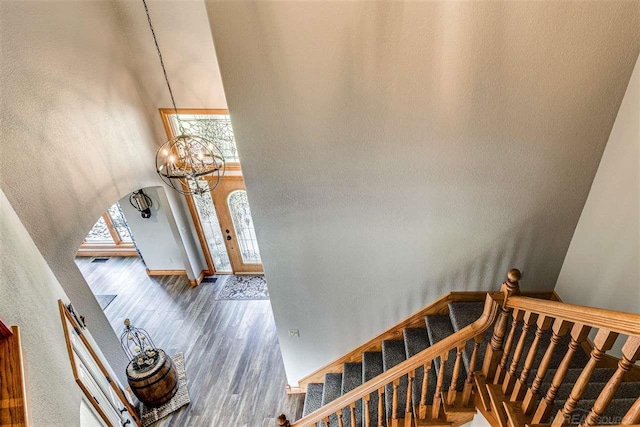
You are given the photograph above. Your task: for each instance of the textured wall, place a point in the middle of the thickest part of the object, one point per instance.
(77, 134)
(28, 297)
(602, 266)
(394, 151)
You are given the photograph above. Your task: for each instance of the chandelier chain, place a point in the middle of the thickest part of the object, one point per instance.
(164, 70)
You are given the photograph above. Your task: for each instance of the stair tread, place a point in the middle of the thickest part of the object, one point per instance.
(416, 340)
(331, 391)
(393, 353)
(593, 389)
(371, 368)
(463, 314)
(313, 398)
(440, 327)
(600, 375)
(352, 378)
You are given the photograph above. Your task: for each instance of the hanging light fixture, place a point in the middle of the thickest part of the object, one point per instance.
(190, 164)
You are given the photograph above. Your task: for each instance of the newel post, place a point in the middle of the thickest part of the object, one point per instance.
(282, 421)
(495, 348)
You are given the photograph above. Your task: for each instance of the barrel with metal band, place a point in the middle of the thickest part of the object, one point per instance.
(156, 385)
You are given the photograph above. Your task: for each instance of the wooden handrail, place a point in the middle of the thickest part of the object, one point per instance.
(492, 302)
(616, 321)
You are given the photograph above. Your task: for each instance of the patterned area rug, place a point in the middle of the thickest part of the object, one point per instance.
(244, 288)
(181, 398)
(105, 300)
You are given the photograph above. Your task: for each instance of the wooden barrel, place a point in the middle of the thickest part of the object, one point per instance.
(157, 384)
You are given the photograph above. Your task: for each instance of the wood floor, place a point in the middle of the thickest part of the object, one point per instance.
(234, 367)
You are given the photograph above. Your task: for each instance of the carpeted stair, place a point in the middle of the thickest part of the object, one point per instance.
(438, 327)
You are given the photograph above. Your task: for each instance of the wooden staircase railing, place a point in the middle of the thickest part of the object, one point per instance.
(513, 402)
(502, 385)
(452, 399)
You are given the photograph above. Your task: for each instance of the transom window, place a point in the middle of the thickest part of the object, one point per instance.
(213, 127)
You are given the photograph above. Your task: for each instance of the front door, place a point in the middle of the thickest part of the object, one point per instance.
(236, 224)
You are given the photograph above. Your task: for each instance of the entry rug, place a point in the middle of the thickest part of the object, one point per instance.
(244, 288)
(181, 398)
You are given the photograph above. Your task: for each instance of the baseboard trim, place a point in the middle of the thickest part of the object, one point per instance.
(92, 254)
(197, 280)
(166, 272)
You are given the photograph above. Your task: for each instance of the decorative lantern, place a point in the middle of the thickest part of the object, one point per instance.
(138, 346)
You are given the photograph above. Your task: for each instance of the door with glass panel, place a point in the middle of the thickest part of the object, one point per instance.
(222, 217)
(236, 224)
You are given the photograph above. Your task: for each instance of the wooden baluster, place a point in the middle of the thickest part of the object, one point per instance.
(630, 353)
(494, 349)
(408, 410)
(520, 388)
(559, 328)
(367, 408)
(394, 403)
(453, 387)
(633, 415)
(339, 415)
(468, 385)
(352, 408)
(501, 370)
(437, 399)
(422, 411)
(579, 333)
(381, 407)
(510, 379)
(326, 422)
(601, 344)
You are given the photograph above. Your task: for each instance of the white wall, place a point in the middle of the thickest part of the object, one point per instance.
(76, 133)
(29, 294)
(602, 266)
(394, 151)
(157, 238)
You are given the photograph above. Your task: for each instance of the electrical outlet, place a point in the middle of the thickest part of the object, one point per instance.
(294, 333)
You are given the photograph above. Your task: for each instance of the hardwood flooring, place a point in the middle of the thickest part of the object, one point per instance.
(234, 367)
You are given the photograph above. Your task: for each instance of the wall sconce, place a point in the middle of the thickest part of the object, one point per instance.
(141, 202)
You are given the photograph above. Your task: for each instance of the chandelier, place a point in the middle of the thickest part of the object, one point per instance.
(190, 164)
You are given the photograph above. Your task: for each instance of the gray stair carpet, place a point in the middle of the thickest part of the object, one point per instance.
(313, 398)
(439, 327)
(371, 368)
(352, 378)
(416, 340)
(393, 352)
(463, 314)
(331, 391)
(599, 375)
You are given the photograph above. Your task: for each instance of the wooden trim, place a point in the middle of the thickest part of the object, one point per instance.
(197, 280)
(65, 315)
(106, 246)
(166, 272)
(13, 388)
(425, 356)
(415, 320)
(93, 254)
(5, 331)
(616, 321)
(112, 229)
